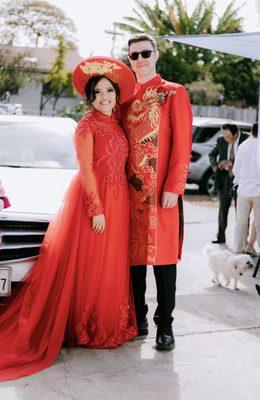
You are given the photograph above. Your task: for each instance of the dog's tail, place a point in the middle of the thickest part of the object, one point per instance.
(208, 249)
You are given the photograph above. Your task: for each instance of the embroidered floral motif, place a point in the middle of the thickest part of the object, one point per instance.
(183, 177)
(163, 92)
(111, 151)
(103, 157)
(93, 207)
(99, 68)
(91, 331)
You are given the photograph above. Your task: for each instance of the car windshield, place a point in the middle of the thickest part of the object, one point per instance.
(37, 144)
(201, 134)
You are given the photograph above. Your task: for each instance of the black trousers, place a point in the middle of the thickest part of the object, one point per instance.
(225, 199)
(165, 276)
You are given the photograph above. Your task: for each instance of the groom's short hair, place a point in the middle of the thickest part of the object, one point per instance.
(143, 37)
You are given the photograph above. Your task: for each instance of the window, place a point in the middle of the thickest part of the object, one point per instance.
(245, 129)
(203, 134)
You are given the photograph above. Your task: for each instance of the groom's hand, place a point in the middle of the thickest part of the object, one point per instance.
(169, 199)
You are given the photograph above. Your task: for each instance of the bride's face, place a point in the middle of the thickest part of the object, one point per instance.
(105, 97)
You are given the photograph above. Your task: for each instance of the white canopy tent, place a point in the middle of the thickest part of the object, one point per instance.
(239, 44)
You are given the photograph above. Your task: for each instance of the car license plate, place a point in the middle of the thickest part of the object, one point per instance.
(5, 281)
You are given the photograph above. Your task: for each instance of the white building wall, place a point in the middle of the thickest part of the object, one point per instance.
(238, 114)
(30, 98)
(61, 103)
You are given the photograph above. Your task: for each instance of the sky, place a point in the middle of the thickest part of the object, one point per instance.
(93, 17)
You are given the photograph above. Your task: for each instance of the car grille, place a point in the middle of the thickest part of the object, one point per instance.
(21, 239)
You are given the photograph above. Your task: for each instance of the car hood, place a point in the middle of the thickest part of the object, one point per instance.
(34, 190)
(202, 148)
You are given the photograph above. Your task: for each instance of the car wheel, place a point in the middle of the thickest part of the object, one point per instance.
(207, 185)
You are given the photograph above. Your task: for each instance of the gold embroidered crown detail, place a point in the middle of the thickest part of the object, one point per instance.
(99, 68)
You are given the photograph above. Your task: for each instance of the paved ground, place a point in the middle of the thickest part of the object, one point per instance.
(217, 331)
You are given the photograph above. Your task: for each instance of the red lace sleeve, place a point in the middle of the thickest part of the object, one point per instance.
(83, 142)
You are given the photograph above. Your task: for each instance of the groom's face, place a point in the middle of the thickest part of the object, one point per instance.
(145, 64)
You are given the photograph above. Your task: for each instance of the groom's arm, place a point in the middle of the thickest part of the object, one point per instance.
(181, 125)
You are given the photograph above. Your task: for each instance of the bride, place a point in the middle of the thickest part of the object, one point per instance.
(78, 292)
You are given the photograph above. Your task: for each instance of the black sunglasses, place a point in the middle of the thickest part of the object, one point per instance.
(144, 53)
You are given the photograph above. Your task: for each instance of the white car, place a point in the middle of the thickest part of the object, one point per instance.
(11, 108)
(205, 131)
(37, 164)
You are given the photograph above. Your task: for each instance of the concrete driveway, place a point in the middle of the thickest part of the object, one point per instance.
(217, 331)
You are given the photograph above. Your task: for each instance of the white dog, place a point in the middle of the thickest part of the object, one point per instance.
(224, 262)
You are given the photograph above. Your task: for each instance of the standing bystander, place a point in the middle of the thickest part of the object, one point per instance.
(222, 158)
(247, 176)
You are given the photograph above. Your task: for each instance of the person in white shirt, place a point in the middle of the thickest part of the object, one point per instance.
(249, 248)
(222, 157)
(247, 177)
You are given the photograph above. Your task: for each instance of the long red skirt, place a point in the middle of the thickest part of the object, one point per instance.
(77, 292)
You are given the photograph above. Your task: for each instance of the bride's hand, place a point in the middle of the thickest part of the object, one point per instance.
(98, 223)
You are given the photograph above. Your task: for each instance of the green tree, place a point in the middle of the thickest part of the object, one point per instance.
(205, 92)
(14, 71)
(58, 81)
(174, 19)
(177, 62)
(174, 68)
(184, 63)
(240, 78)
(34, 23)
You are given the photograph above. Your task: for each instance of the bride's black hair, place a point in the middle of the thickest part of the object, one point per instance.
(90, 88)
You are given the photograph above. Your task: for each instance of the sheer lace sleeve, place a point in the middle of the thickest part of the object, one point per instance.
(83, 142)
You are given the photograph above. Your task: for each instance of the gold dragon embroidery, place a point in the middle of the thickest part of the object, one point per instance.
(149, 105)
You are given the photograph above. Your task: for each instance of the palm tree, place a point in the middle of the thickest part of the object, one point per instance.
(174, 19)
(190, 63)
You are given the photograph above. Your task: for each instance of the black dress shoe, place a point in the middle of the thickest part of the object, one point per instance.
(164, 339)
(219, 241)
(142, 327)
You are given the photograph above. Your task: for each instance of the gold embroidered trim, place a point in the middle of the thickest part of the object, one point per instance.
(136, 112)
(144, 161)
(99, 68)
(150, 136)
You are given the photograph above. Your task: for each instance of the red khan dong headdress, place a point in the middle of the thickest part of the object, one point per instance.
(113, 69)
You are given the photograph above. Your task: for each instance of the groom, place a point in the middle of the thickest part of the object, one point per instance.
(157, 122)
